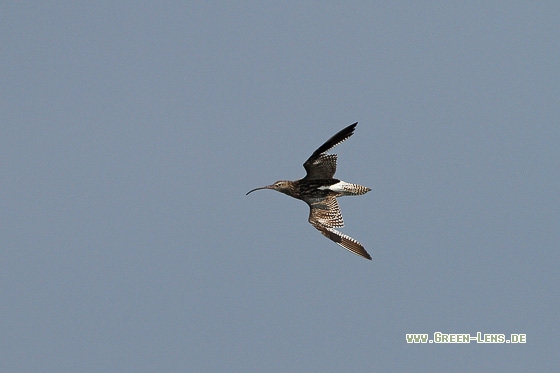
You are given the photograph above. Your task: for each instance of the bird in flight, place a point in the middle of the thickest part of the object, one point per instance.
(319, 189)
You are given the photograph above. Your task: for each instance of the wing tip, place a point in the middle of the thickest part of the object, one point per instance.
(350, 129)
(360, 251)
(344, 241)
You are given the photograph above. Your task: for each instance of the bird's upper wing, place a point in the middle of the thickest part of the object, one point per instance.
(321, 165)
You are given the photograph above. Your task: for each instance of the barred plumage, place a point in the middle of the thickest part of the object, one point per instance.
(319, 190)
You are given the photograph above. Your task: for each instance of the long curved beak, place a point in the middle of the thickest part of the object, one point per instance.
(264, 187)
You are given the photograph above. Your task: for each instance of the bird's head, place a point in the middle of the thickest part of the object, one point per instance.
(282, 186)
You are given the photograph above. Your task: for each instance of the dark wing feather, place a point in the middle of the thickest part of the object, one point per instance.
(321, 165)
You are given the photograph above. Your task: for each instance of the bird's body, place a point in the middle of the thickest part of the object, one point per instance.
(319, 190)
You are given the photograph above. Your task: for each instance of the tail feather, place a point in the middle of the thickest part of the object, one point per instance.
(349, 189)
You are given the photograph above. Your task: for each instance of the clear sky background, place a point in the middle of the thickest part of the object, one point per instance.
(131, 131)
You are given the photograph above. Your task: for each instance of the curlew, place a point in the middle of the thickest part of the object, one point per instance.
(319, 189)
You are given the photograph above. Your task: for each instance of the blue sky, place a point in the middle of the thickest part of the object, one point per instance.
(132, 131)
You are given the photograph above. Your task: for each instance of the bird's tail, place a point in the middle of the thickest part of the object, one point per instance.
(349, 189)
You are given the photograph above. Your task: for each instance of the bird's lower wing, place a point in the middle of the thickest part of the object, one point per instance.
(324, 211)
(343, 240)
(325, 215)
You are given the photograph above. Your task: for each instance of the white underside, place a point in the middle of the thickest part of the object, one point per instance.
(340, 187)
